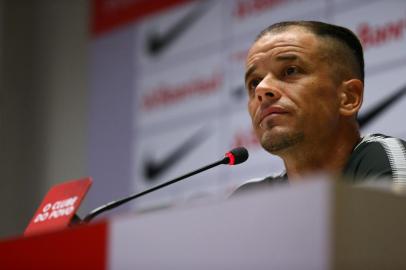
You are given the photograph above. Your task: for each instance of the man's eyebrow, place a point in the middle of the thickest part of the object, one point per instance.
(285, 57)
(250, 70)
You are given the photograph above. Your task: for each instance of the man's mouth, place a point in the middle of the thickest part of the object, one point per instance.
(270, 112)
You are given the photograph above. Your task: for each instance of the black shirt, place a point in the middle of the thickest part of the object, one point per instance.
(375, 157)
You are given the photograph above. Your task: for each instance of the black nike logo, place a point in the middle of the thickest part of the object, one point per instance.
(156, 43)
(367, 117)
(153, 168)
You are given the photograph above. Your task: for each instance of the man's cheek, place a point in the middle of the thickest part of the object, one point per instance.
(251, 109)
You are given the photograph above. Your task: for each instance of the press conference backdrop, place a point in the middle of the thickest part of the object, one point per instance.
(167, 90)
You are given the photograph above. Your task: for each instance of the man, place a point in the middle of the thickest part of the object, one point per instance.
(305, 82)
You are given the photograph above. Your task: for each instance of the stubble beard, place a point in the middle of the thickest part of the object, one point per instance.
(275, 144)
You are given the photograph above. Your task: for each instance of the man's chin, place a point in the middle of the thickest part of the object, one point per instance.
(275, 142)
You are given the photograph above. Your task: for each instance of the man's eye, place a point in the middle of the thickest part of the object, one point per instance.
(252, 84)
(291, 71)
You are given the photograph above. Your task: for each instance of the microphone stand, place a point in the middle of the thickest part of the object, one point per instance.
(114, 204)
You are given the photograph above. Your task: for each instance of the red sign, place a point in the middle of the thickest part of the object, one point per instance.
(59, 206)
(378, 35)
(109, 14)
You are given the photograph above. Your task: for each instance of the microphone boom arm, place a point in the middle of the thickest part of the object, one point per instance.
(114, 204)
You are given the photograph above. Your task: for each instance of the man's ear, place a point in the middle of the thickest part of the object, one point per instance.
(351, 95)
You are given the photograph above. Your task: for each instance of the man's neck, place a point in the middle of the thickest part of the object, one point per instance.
(331, 157)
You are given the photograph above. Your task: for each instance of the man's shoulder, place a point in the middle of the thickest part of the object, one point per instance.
(377, 156)
(261, 183)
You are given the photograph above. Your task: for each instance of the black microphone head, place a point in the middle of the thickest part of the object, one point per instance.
(236, 156)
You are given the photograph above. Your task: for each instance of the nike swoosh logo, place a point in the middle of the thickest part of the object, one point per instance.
(367, 117)
(154, 168)
(156, 43)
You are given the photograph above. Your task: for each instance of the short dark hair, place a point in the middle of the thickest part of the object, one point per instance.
(344, 39)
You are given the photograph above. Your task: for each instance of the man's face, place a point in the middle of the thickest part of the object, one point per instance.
(293, 97)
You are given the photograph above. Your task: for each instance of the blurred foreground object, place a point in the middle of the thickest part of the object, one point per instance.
(311, 225)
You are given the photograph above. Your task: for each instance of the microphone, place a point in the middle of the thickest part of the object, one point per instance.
(236, 156)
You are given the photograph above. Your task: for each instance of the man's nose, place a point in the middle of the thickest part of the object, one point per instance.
(266, 90)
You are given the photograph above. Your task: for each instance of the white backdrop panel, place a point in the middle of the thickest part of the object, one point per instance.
(189, 86)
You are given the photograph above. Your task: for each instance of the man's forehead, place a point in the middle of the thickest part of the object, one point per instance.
(295, 38)
(286, 31)
(292, 35)
(289, 34)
